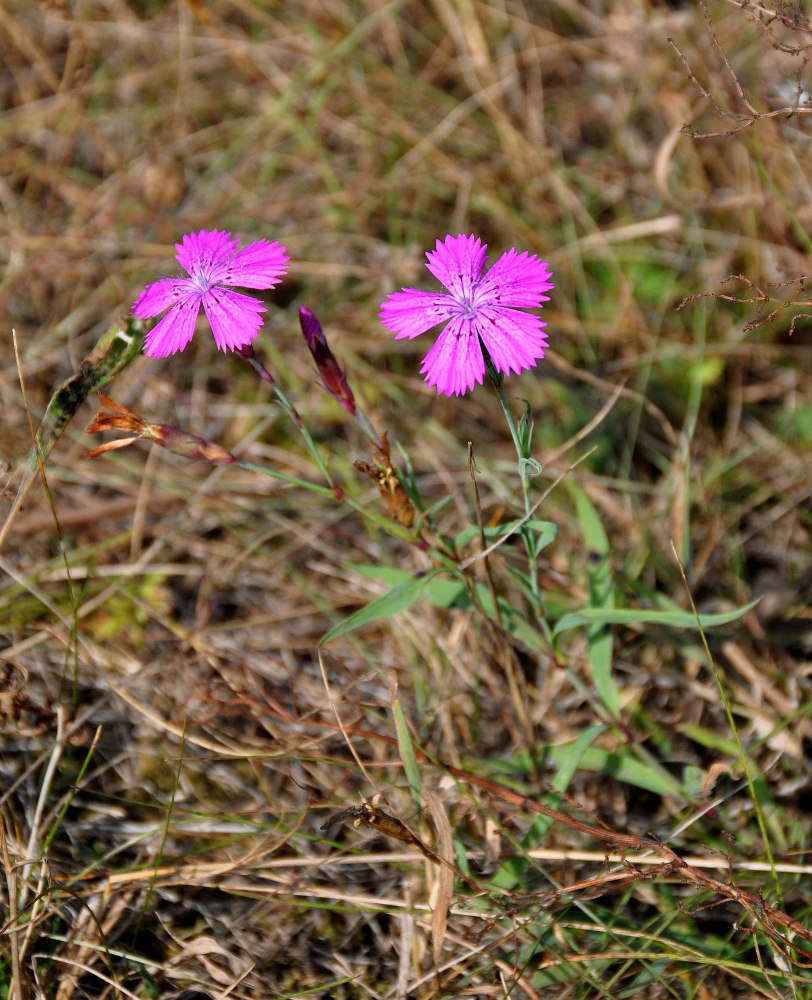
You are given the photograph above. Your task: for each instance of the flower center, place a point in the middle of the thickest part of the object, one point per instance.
(202, 281)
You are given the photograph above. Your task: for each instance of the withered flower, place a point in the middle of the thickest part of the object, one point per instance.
(176, 440)
(383, 474)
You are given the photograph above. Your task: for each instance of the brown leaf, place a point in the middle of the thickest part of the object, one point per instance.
(445, 876)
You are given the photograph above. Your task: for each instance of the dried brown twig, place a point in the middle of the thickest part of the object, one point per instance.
(743, 120)
(766, 18)
(763, 299)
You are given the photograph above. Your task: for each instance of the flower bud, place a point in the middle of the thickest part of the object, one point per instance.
(333, 377)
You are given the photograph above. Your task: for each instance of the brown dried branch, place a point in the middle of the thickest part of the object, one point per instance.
(763, 298)
(752, 115)
(765, 19)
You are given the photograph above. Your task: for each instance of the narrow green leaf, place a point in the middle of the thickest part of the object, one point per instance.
(648, 616)
(723, 744)
(601, 595)
(621, 764)
(398, 599)
(441, 590)
(407, 754)
(545, 531)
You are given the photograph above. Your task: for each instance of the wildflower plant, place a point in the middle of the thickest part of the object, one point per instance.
(489, 330)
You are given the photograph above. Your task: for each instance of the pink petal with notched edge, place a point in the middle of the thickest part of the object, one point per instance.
(455, 363)
(235, 319)
(174, 331)
(514, 340)
(259, 265)
(457, 263)
(517, 280)
(197, 253)
(410, 312)
(162, 295)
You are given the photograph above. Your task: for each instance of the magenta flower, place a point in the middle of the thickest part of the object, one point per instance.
(213, 261)
(479, 311)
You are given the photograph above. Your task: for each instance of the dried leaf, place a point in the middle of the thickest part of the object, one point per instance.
(445, 875)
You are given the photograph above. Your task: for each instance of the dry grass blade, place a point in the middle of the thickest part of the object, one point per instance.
(17, 985)
(441, 902)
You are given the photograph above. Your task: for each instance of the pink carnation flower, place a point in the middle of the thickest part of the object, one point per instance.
(478, 310)
(213, 261)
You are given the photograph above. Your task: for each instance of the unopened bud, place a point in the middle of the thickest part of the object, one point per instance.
(334, 378)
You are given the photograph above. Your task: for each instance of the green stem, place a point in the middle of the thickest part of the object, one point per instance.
(527, 534)
(365, 424)
(293, 413)
(514, 433)
(249, 354)
(382, 522)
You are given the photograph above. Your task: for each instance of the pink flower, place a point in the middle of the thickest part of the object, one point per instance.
(478, 310)
(213, 261)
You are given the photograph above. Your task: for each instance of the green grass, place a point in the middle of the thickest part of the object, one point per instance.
(206, 665)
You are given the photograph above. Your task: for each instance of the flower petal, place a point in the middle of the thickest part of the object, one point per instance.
(457, 263)
(174, 331)
(514, 340)
(410, 312)
(258, 265)
(516, 279)
(455, 362)
(162, 295)
(235, 318)
(199, 252)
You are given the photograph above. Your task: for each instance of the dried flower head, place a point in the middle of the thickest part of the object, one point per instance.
(173, 438)
(383, 474)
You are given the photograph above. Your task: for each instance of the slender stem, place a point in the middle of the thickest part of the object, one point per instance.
(293, 413)
(383, 522)
(526, 532)
(514, 433)
(282, 477)
(247, 352)
(365, 424)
